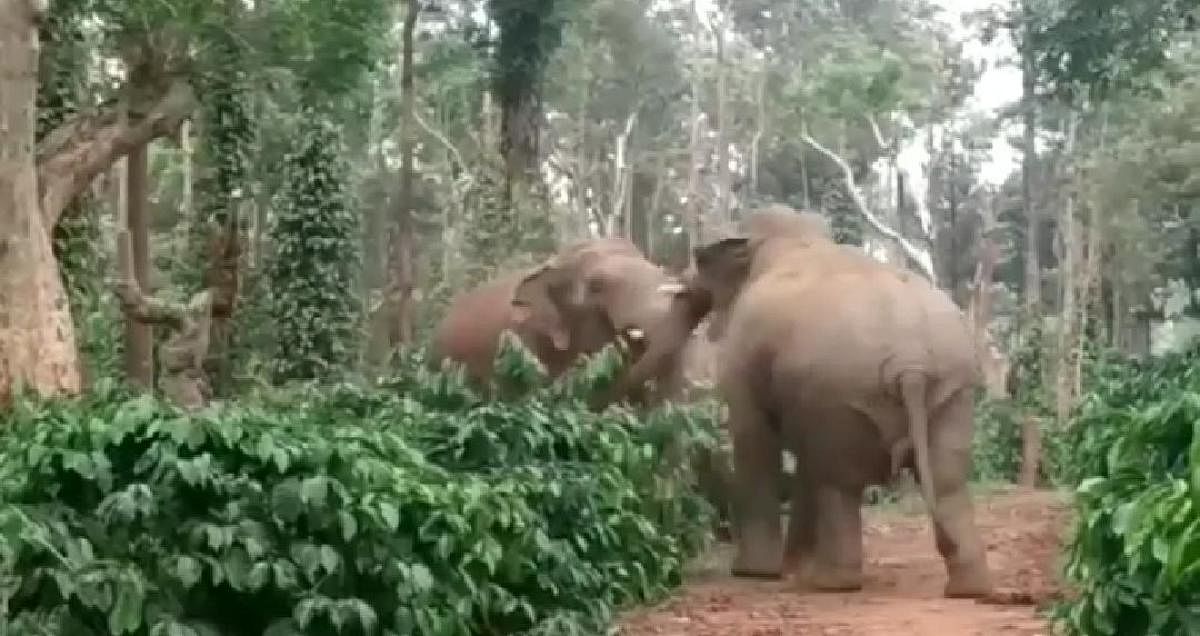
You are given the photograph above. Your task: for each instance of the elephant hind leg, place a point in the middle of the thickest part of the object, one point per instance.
(837, 565)
(801, 541)
(957, 536)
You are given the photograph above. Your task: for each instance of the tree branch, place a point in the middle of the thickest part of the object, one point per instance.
(878, 132)
(442, 139)
(134, 303)
(73, 155)
(921, 257)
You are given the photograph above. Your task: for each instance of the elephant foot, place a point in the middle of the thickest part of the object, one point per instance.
(751, 569)
(796, 562)
(968, 580)
(834, 579)
(765, 574)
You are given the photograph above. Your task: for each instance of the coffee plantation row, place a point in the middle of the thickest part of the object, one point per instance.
(415, 508)
(1133, 555)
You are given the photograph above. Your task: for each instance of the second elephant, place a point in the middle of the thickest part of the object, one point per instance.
(839, 359)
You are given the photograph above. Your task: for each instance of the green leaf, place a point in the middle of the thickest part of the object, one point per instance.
(349, 525)
(126, 615)
(329, 559)
(187, 571)
(313, 491)
(390, 515)
(286, 500)
(421, 579)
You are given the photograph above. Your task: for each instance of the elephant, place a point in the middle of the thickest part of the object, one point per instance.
(469, 332)
(854, 366)
(592, 293)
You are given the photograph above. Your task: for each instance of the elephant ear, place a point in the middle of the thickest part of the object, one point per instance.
(537, 303)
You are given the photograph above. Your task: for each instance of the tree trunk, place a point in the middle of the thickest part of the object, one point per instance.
(400, 252)
(187, 197)
(1031, 451)
(37, 338)
(692, 207)
(374, 240)
(622, 178)
(1033, 271)
(760, 126)
(139, 336)
(1071, 283)
(654, 214)
(723, 185)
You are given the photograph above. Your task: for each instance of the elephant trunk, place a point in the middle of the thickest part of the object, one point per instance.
(664, 342)
(913, 392)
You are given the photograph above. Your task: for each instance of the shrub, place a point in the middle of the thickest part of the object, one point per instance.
(1134, 553)
(997, 442)
(343, 511)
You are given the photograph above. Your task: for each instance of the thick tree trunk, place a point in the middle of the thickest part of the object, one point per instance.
(139, 336)
(37, 339)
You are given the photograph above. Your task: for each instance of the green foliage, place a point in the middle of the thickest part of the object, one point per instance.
(223, 188)
(414, 510)
(1106, 45)
(997, 442)
(97, 318)
(315, 265)
(530, 32)
(1135, 550)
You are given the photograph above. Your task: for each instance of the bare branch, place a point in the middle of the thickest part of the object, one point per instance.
(878, 132)
(442, 139)
(75, 153)
(134, 303)
(921, 257)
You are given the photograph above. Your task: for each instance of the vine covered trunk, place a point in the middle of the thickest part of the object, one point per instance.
(37, 339)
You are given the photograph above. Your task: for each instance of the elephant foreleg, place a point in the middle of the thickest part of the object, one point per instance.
(757, 464)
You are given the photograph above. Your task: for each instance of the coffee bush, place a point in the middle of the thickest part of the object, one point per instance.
(418, 508)
(1134, 552)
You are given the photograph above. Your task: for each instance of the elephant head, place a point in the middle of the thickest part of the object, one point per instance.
(578, 297)
(591, 294)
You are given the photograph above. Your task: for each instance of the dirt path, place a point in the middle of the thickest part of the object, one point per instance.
(902, 595)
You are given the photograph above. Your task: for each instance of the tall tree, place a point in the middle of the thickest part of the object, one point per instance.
(403, 231)
(37, 345)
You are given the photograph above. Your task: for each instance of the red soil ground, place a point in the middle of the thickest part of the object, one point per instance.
(903, 592)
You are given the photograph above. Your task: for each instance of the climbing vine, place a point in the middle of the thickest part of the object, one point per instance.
(312, 276)
(228, 137)
(530, 32)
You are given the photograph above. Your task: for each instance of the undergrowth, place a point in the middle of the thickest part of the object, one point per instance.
(415, 508)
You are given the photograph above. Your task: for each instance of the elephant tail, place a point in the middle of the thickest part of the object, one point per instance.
(913, 389)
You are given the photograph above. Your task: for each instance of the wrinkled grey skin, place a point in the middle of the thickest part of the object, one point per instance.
(854, 366)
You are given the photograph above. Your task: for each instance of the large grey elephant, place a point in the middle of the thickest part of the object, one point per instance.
(852, 365)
